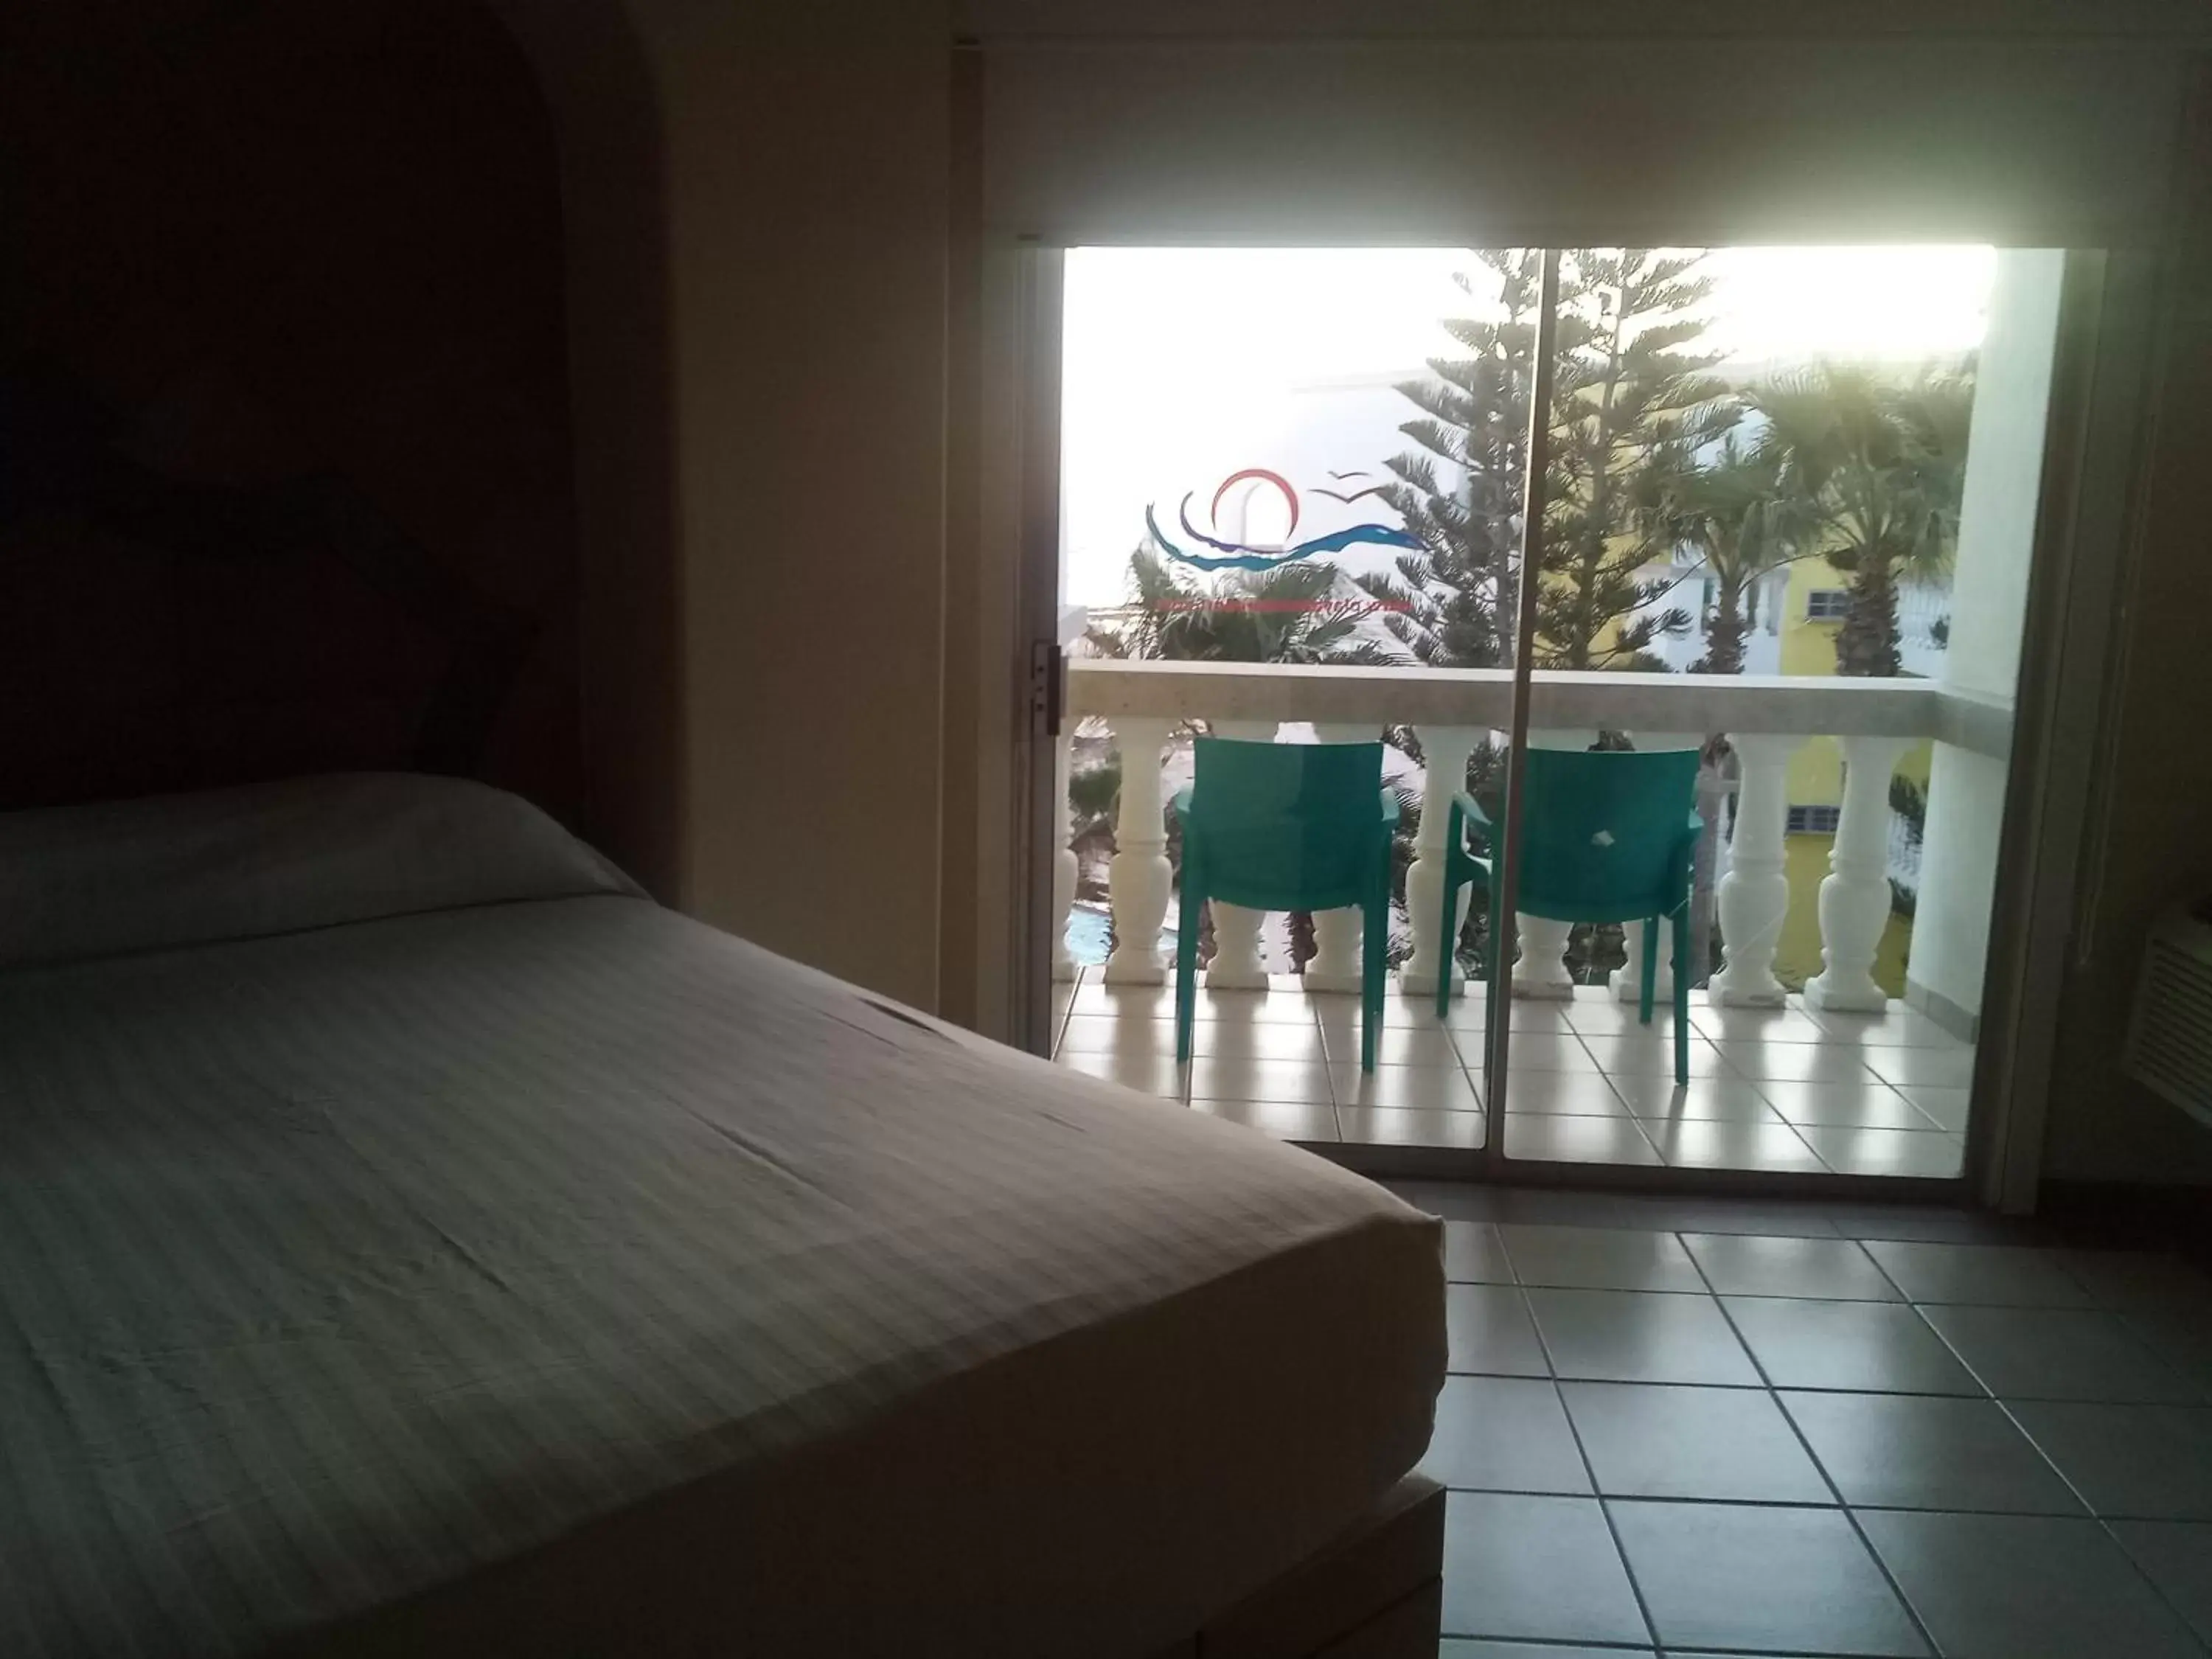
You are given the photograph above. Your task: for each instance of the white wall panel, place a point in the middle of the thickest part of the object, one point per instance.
(1521, 143)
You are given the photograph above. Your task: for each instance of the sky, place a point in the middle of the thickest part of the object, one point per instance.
(1185, 365)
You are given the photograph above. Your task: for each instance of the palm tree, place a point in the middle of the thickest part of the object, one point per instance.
(1294, 613)
(1881, 467)
(1734, 510)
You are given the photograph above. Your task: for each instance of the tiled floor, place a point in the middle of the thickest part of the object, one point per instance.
(1782, 1088)
(1689, 1427)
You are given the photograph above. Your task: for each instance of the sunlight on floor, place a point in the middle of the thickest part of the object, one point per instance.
(1782, 1088)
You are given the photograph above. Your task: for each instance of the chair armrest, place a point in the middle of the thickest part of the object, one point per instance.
(1180, 805)
(1390, 807)
(1469, 819)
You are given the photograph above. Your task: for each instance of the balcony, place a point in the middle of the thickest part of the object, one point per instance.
(1835, 1075)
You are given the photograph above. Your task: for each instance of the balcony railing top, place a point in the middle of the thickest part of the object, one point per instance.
(1481, 698)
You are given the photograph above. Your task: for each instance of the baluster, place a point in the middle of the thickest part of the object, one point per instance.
(1063, 862)
(1139, 877)
(1753, 897)
(1445, 750)
(1337, 933)
(1855, 898)
(1540, 969)
(1236, 964)
(1628, 983)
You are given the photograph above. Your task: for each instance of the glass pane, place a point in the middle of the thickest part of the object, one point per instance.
(1772, 468)
(1763, 475)
(1309, 460)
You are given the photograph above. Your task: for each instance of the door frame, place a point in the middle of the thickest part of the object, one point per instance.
(2065, 700)
(1023, 289)
(2062, 710)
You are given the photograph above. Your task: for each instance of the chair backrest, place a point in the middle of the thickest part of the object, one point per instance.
(1602, 832)
(1288, 826)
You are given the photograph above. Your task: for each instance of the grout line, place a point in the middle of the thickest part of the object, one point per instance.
(1774, 1399)
(1589, 1469)
(2082, 1514)
(2104, 1522)
(1779, 1389)
(1633, 1650)
(1316, 1004)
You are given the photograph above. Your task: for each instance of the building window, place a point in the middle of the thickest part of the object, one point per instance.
(1814, 820)
(1827, 604)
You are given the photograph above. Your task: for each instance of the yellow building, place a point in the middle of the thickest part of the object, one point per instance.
(1807, 632)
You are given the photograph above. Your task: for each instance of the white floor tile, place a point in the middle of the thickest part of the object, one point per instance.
(1151, 1074)
(1928, 1154)
(1260, 1079)
(1393, 1045)
(1273, 1040)
(1795, 1062)
(1424, 1087)
(1285, 1120)
(1577, 1139)
(1394, 1125)
(1926, 1068)
(1727, 1100)
(1557, 1052)
(1704, 1145)
(1865, 1105)
(1562, 1094)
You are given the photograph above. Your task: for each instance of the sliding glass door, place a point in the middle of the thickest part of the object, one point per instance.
(1787, 512)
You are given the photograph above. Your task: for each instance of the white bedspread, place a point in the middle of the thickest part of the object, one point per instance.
(565, 1276)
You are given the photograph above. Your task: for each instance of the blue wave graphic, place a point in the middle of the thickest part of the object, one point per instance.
(1235, 557)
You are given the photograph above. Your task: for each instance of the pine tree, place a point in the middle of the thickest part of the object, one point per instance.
(1627, 388)
(1461, 495)
(1626, 385)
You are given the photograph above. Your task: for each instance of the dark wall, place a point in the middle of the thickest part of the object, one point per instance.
(286, 477)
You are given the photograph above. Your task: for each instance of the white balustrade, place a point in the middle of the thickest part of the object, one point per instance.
(1338, 934)
(1139, 877)
(1753, 897)
(1063, 860)
(1236, 965)
(1855, 897)
(1446, 751)
(1628, 983)
(1767, 717)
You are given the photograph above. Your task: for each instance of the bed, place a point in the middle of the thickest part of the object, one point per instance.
(413, 1240)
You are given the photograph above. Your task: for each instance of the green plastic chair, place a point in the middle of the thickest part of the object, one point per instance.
(1279, 826)
(1607, 836)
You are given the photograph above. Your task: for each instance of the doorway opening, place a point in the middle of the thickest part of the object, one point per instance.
(1788, 525)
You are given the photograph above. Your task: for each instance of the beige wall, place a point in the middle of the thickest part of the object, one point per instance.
(808, 205)
(765, 605)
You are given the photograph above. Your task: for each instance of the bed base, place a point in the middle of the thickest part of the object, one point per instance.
(1376, 1592)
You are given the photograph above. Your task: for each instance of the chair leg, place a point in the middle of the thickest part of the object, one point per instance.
(1374, 966)
(1651, 965)
(1496, 983)
(1447, 947)
(1681, 992)
(1186, 918)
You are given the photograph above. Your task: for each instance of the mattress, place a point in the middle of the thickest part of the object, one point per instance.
(561, 1276)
